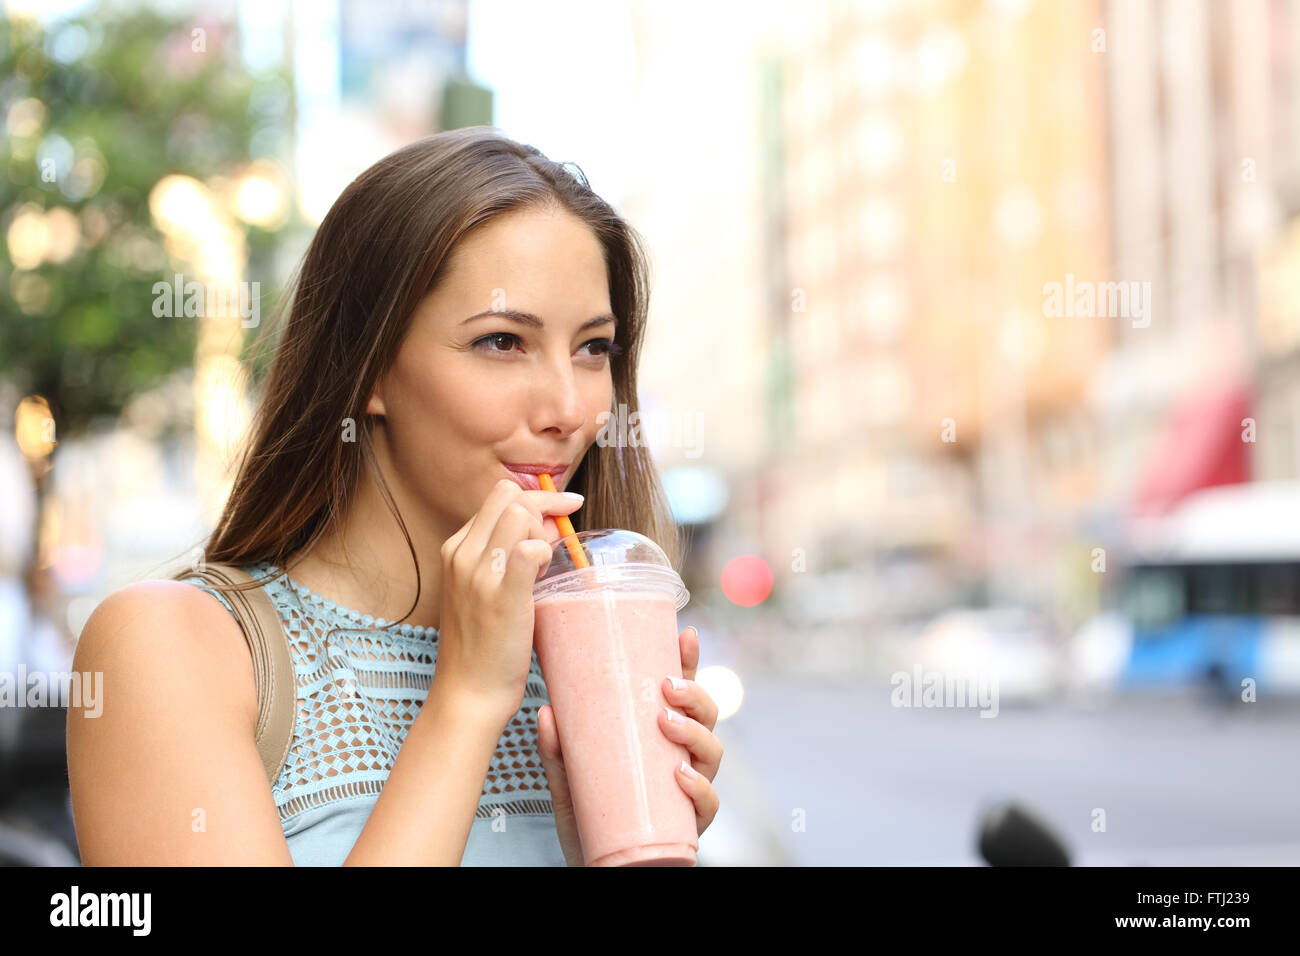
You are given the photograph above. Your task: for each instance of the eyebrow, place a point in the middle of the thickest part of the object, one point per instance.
(532, 321)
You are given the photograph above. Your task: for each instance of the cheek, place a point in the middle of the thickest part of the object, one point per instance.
(443, 407)
(449, 402)
(601, 396)
(598, 399)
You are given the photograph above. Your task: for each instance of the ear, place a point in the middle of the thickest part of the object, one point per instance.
(376, 404)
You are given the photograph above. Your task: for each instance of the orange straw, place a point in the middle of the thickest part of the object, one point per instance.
(566, 527)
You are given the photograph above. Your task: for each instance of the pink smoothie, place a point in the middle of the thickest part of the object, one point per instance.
(604, 655)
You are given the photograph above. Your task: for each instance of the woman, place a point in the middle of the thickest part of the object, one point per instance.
(376, 479)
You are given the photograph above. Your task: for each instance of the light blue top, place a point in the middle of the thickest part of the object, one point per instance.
(361, 681)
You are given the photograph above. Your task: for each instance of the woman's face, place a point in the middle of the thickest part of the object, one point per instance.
(465, 396)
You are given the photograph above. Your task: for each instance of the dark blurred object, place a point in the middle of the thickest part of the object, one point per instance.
(1012, 836)
(33, 752)
(36, 826)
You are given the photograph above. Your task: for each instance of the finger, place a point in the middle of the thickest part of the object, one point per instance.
(525, 564)
(452, 544)
(705, 749)
(692, 700)
(551, 530)
(548, 738)
(689, 644)
(702, 795)
(545, 503)
(517, 523)
(484, 522)
(548, 748)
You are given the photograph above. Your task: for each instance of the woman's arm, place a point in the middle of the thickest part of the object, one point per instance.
(168, 773)
(424, 813)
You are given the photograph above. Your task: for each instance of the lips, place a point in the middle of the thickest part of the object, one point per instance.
(526, 475)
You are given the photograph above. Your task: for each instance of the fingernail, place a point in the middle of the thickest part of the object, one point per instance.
(673, 716)
(687, 769)
(574, 495)
(677, 682)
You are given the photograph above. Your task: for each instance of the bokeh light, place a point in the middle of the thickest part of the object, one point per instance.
(28, 237)
(34, 427)
(724, 686)
(261, 197)
(746, 580)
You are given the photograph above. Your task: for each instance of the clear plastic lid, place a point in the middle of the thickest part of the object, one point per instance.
(619, 559)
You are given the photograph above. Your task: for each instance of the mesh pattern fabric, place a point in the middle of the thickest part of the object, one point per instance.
(359, 687)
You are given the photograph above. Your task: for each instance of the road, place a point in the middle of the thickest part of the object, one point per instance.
(1180, 782)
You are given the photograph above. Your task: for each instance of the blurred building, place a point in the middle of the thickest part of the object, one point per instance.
(370, 77)
(1261, 237)
(694, 196)
(1204, 111)
(931, 168)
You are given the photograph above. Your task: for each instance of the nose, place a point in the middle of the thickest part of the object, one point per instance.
(557, 401)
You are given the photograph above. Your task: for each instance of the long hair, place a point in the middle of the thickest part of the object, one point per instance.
(385, 244)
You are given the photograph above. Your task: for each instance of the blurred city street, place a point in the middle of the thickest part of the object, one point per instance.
(1183, 782)
(965, 383)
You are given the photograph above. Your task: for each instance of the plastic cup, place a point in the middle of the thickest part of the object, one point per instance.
(606, 636)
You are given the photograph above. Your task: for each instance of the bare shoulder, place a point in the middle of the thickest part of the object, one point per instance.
(157, 629)
(167, 770)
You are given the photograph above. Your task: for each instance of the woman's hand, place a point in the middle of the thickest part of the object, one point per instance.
(489, 567)
(695, 733)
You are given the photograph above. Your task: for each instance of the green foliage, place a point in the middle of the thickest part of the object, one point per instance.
(126, 97)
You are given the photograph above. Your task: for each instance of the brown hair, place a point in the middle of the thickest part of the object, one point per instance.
(384, 245)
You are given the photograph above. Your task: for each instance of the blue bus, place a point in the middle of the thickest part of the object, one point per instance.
(1210, 593)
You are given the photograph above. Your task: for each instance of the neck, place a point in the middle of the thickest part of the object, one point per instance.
(365, 563)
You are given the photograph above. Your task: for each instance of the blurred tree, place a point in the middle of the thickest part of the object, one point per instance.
(97, 111)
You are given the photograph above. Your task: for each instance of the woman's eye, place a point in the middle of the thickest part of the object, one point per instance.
(606, 347)
(504, 342)
(508, 337)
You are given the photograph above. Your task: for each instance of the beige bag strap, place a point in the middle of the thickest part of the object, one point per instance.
(272, 665)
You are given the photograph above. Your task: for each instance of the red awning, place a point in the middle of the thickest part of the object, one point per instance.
(1201, 447)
